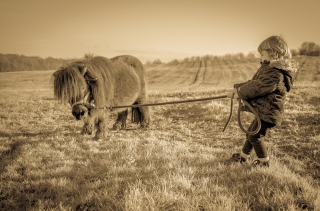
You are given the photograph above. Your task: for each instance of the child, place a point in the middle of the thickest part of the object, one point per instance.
(266, 92)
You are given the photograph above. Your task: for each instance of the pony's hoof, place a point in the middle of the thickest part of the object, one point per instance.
(99, 136)
(87, 130)
(117, 126)
(144, 125)
(97, 139)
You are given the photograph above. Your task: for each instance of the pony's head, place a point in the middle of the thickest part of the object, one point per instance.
(72, 85)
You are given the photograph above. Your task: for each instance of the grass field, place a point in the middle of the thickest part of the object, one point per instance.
(180, 163)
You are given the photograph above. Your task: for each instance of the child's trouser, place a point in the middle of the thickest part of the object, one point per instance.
(256, 141)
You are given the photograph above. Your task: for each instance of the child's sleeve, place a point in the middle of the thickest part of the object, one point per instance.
(240, 84)
(265, 84)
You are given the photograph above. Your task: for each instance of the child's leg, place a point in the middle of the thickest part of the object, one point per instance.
(257, 142)
(247, 147)
(254, 142)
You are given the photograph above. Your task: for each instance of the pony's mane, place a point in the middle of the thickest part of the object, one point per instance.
(68, 82)
(103, 70)
(101, 75)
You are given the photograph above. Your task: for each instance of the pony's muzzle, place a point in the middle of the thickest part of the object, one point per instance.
(79, 112)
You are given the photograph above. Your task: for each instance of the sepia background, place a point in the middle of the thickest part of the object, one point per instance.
(150, 29)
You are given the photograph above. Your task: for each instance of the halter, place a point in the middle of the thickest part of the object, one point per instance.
(85, 101)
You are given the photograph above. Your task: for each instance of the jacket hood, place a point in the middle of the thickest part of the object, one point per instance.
(288, 68)
(285, 64)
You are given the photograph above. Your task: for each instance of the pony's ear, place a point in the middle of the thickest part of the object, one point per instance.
(83, 70)
(56, 73)
(87, 74)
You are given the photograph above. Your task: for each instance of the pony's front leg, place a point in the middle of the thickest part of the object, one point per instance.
(89, 123)
(145, 113)
(101, 125)
(88, 126)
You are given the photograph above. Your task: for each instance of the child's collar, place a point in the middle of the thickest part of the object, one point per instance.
(284, 64)
(265, 62)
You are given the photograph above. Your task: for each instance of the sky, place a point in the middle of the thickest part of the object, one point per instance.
(152, 29)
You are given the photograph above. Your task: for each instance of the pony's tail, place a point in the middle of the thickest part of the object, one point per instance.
(136, 115)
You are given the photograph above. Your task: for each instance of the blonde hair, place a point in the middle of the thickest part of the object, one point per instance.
(276, 46)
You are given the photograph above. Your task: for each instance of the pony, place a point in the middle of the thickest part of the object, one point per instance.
(105, 82)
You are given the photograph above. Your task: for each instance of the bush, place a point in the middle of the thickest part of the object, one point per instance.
(309, 49)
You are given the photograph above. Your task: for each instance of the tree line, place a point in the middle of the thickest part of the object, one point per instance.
(15, 62)
(306, 49)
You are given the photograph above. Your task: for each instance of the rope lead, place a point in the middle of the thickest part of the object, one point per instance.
(239, 120)
(93, 106)
(255, 114)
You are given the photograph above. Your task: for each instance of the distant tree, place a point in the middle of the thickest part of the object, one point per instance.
(239, 56)
(228, 56)
(157, 61)
(316, 51)
(4, 63)
(294, 52)
(217, 57)
(186, 60)
(195, 58)
(252, 54)
(207, 57)
(148, 62)
(309, 49)
(173, 62)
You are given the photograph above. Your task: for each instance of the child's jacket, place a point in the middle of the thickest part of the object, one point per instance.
(266, 91)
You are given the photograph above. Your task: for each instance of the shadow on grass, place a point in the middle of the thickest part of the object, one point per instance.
(25, 134)
(315, 101)
(112, 185)
(27, 196)
(251, 182)
(11, 154)
(300, 150)
(301, 159)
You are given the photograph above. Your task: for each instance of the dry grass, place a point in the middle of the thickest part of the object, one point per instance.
(179, 163)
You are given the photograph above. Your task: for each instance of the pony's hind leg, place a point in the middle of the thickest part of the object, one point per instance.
(121, 120)
(145, 116)
(141, 114)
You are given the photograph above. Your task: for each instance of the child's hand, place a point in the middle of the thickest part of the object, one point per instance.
(233, 93)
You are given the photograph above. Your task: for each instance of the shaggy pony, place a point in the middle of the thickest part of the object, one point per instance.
(106, 83)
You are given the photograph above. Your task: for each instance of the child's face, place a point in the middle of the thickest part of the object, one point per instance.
(265, 56)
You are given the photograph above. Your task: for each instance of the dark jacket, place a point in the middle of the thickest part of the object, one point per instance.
(266, 91)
